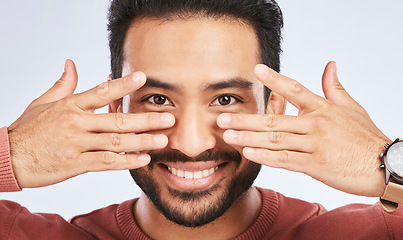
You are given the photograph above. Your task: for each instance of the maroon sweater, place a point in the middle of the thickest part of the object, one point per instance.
(280, 218)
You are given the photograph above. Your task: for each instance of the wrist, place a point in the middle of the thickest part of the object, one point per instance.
(392, 165)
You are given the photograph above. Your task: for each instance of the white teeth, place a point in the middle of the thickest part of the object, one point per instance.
(192, 175)
(180, 173)
(197, 175)
(188, 175)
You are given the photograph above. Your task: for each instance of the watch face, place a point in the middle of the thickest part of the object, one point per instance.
(394, 159)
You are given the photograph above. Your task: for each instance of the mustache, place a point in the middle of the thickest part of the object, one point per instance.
(173, 155)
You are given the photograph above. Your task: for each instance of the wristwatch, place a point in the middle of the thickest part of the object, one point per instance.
(393, 165)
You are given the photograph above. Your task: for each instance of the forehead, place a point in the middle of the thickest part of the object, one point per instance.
(196, 49)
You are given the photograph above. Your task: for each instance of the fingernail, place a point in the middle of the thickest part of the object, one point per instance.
(262, 70)
(65, 66)
(225, 118)
(137, 77)
(231, 135)
(143, 158)
(160, 139)
(249, 151)
(167, 118)
(335, 69)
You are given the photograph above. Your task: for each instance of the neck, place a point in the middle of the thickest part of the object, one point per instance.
(239, 217)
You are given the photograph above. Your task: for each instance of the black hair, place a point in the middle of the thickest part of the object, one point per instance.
(263, 15)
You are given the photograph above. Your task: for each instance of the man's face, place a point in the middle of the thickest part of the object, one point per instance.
(196, 69)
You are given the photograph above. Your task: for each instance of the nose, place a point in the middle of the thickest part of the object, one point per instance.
(193, 132)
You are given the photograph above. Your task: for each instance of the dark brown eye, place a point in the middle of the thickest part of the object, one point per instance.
(224, 100)
(160, 100)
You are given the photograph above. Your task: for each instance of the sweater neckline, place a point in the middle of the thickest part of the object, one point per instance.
(258, 230)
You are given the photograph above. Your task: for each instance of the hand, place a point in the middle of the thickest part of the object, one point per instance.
(59, 136)
(332, 139)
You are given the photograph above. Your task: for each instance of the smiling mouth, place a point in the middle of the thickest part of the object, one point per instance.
(193, 170)
(192, 175)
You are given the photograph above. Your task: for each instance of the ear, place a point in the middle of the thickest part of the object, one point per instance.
(114, 106)
(276, 104)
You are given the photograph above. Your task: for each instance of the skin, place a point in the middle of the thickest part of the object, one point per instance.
(44, 153)
(190, 56)
(306, 143)
(332, 139)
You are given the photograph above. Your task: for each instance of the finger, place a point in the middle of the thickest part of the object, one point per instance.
(270, 140)
(114, 105)
(109, 91)
(334, 91)
(290, 160)
(291, 90)
(265, 123)
(126, 123)
(104, 161)
(64, 87)
(119, 143)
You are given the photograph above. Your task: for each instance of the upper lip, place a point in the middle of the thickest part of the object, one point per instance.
(193, 166)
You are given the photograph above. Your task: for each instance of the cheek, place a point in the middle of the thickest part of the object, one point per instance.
(244, 161)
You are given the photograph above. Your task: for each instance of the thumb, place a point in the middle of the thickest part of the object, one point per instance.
(333, 89)
(64, 87)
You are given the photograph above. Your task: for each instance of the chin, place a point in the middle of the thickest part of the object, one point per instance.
(196, 208)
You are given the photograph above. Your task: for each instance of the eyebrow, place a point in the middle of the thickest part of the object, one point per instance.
(152, 82)
(237, 82)
(241, 83)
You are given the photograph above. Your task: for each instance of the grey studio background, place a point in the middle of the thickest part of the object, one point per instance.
(364, 37)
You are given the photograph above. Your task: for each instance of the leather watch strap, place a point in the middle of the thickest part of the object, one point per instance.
(392, 196)
(393, 192)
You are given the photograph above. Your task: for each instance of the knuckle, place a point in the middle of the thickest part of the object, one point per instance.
(320, 159)
(269, 120)
(274, 137)
(68, 101)
(337, 85)
(70, 137)
(102, 90)
(296, 87)
(363, 111)
(58, 83)
(69, 118)
(120, 121)
(72, 116)
(107, 160)
(34, 103)
(116, 139)
(69, 154)
(320, 121)
(323, 154)
(283, 158)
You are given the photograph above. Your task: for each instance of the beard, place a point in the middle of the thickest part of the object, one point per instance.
(196, 208)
